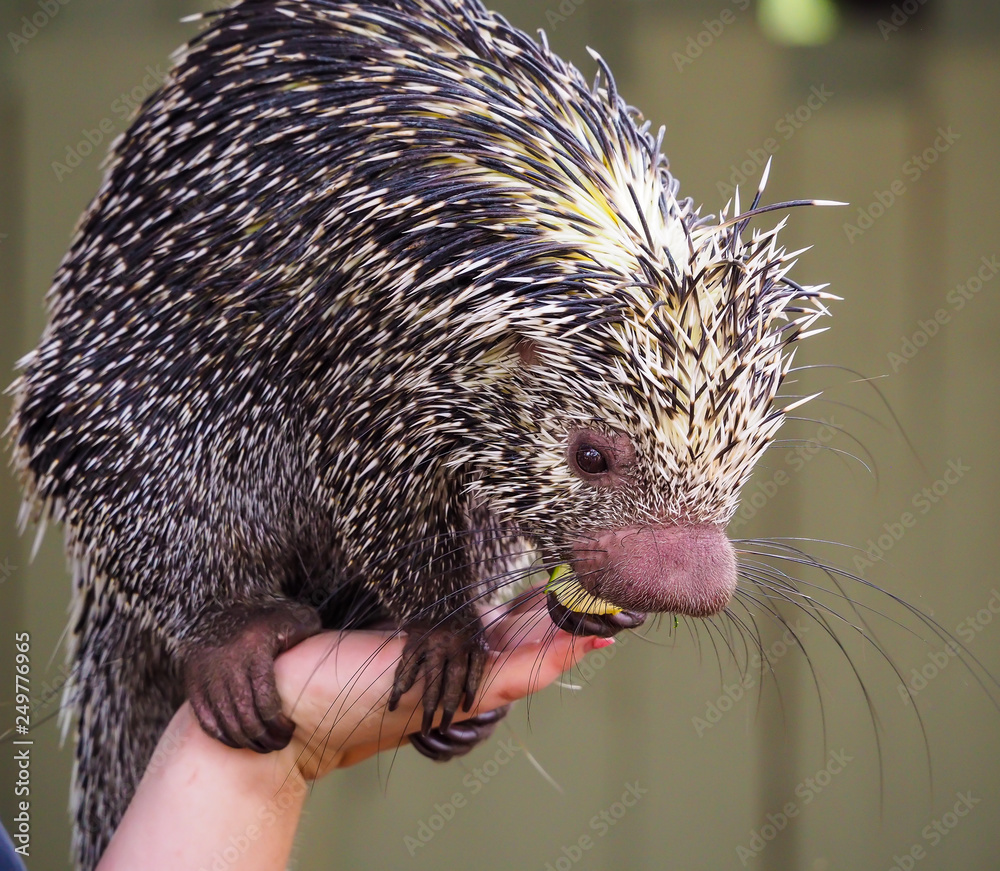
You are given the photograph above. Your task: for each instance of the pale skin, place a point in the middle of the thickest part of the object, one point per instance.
(199, 797)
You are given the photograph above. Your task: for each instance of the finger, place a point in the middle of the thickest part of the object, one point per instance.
(529, 667)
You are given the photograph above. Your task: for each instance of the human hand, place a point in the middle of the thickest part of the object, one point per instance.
(335, 687)
(336, 684)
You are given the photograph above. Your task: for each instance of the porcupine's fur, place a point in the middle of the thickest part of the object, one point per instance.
(283, 349)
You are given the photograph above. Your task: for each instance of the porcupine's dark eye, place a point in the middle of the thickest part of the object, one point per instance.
(591, 460)
(600, 458)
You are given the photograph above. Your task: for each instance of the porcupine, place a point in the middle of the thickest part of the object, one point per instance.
(383, 299)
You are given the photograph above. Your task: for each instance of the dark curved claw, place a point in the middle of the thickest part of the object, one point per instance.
(459, 738)
(601, 625)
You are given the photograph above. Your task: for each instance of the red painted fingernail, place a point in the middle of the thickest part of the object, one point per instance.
(598, 643)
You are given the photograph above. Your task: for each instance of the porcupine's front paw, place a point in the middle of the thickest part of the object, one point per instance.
(450, 658)
(229, 679)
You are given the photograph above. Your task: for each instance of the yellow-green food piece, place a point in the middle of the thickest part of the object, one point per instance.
(570, 594)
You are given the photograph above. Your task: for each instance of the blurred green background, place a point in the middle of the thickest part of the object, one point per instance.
(791, 770)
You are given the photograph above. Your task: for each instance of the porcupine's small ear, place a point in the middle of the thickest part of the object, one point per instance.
(528, 351)
(511, 354)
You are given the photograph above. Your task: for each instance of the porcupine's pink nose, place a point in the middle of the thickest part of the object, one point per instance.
(678, 569)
